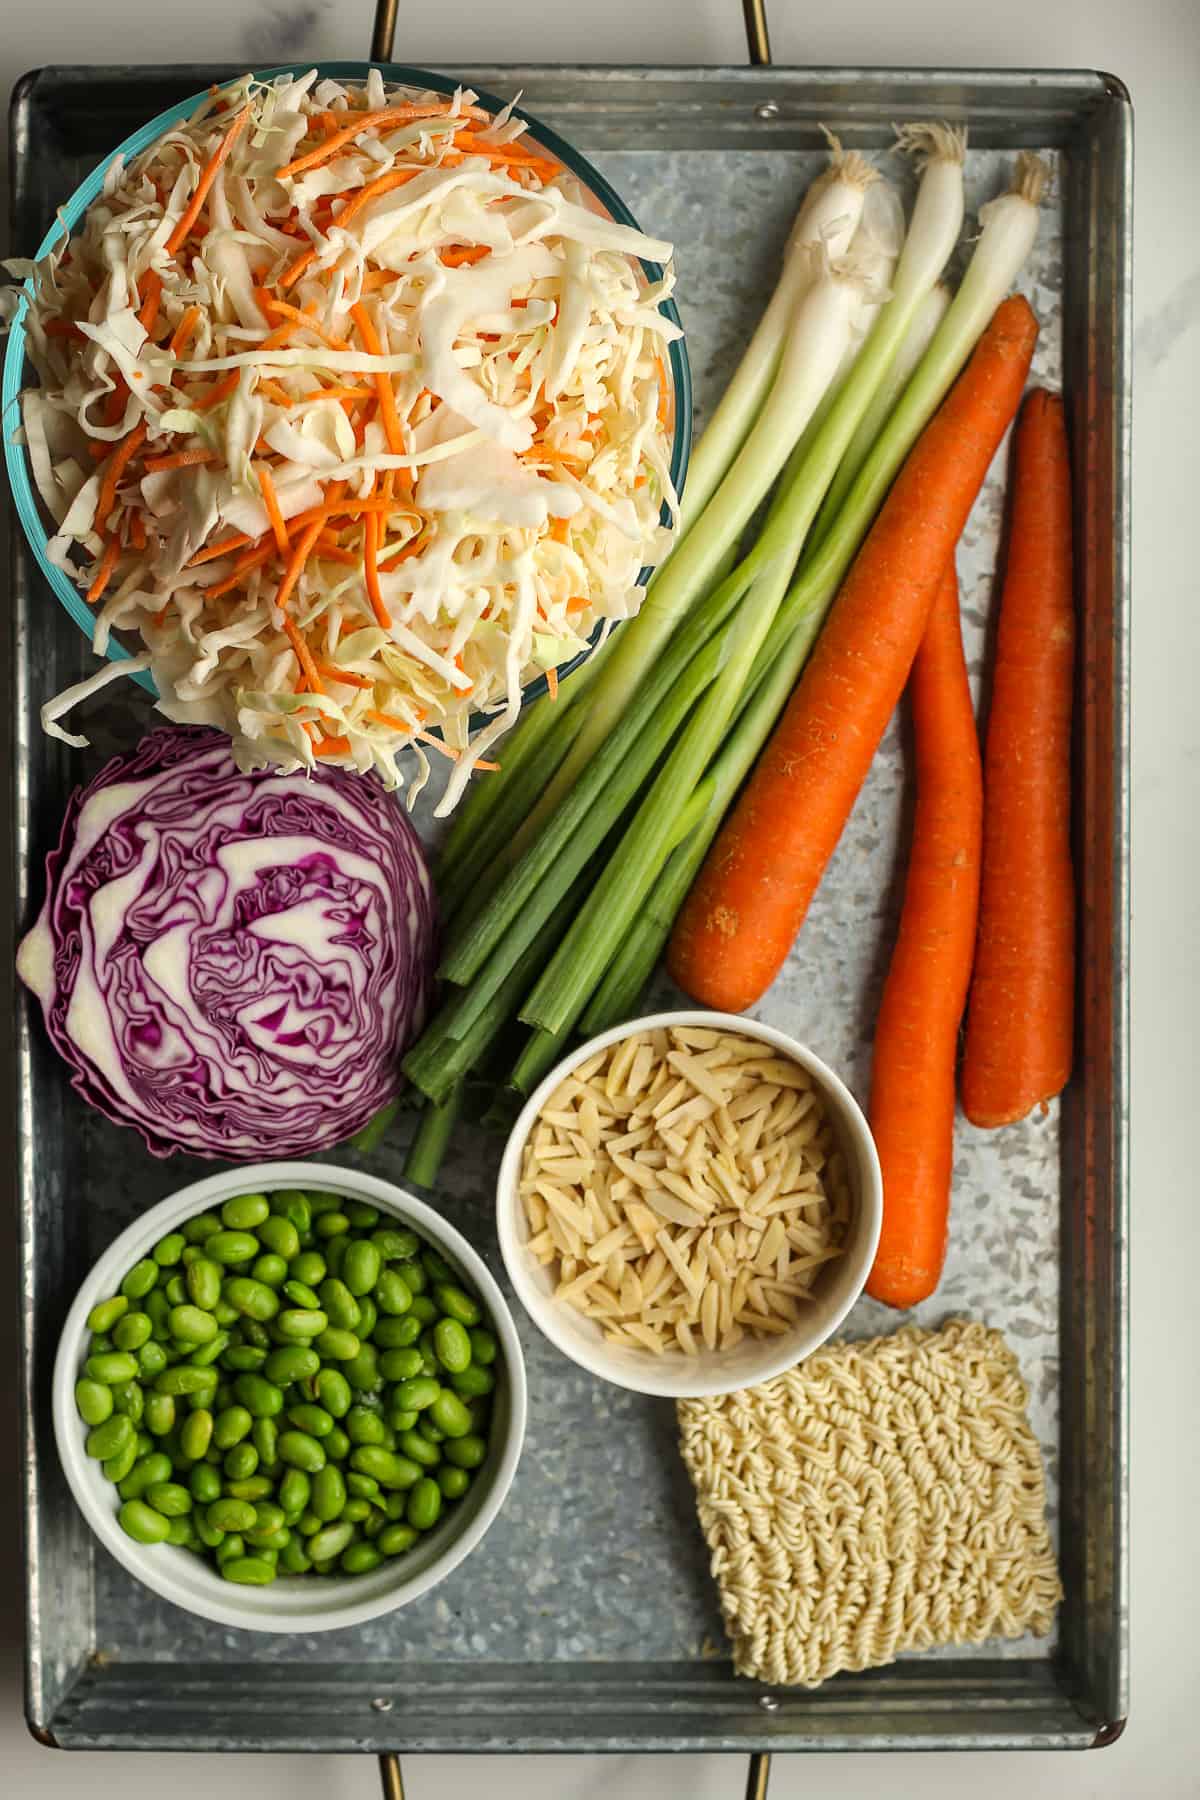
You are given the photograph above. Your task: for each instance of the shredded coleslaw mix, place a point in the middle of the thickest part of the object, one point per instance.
(357, 413)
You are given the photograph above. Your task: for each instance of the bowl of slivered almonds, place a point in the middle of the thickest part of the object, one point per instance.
(689, 1204)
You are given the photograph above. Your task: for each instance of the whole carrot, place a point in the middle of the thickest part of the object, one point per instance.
(755, 886)
(1019, 1024)
(916, 1036)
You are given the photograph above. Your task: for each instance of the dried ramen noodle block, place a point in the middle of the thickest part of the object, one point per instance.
(686, 1188)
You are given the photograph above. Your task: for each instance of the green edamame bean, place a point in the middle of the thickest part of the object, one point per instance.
(300, 1324)
(156, 1306)
(268, 1519)
(328, 1493)
(310, 1418)
(112, 1367)
(456, 1303)
(395, 1243)
(292, 1363)
(362, 1267)
(195, 1434)
(192, 1325)
(241, 1462)
(204, 1483)
(335, 1249)
(424, 1507)
(337, 1444)
(201, 1227)
(473, 1383)
(413, 1276)
(244, 1359)
(270, 1269)
(303, 1298)
(453, 1482)
(229, 1514)
(484, 1348)
(225, 1315)
(110, 1438)
(398, 1334)
(183, 1378)
(231, 1426)
(418, 1449)
(259, 1396)
(364, 1426)
(294, 1558)
(435, 1265)
(231, 1247)
(168, 1250)
(142, 1523)
(385, 1466)
(155, 1466)
(290, 1203)
(145, 1443)
(334, 1393)
(356, 1512)
(253, 1488)
(309, 1267)
(300, 1451)
(392, 1294)
(132, 1331)
(400, 1365)
(395, 1539)
(418, 1393)
(279, 1237)
(295, 1492)
(402, 1418)
(253, 1332)
(264, 1435)
(362, 1371)
(244, 1212)
(424, 1311)
(330, 1542)
(203, 1282)
(363, 1487)
(212, 1540)
(248, 1571)
(452, 1346)
(152, 1360)
(450, 1415)
(336, 1344)
(323, 1203)
(116, 1468)
(331, 1224)
(205, 1355)
(93, 1401)
(233, 1546)
(169, 1498)
(360, 1559)
(466, 1452)
(253, 1299)
(368, 1316)
(361, 1214)
(339, 1303)
(140, 1279)
(175, 1290)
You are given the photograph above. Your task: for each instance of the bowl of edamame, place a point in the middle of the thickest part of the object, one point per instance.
(290, 1398)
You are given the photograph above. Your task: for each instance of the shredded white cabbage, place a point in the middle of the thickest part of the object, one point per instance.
(449, 393)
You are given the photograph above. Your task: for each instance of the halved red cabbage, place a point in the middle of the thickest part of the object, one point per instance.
(233, 963)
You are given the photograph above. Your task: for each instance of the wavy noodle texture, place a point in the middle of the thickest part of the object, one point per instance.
(882, 1497)
(232, 963)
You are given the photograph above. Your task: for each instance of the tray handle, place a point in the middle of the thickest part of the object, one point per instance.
(758, 46)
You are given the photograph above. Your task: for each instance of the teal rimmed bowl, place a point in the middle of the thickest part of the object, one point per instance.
(29, 511)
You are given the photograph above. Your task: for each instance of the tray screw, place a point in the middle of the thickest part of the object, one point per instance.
(769, 1702)
(381, 1703)
(767, 109)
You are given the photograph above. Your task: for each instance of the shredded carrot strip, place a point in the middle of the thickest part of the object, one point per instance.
(220, 392)
(114, 405)
(152, 291)
(338, 393)
(372, 122)
(383, 383)
(378, 278)
(271, 390)
(128, 447)
(332, 746)
(335, 553)
(224, 548)
(108, 563)
(137, 531)
(371, 571)
(298, 318)
(291, 574)
(413, 547)
(99, 449)
(303, 656)
(271, 502)
(383, 184)
(391, 721)
(179, 459)
(241, 569)
(576, 603)
(182, 334)
(67, 327)
(207, 176)
(559, 529)
(455, 255)
(510, 154)
(333, 673)
(552, 683)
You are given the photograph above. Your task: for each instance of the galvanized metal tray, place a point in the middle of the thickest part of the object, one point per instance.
(588, 1621)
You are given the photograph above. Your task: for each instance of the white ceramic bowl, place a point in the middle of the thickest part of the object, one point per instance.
(754, 1360)
(291, 1603)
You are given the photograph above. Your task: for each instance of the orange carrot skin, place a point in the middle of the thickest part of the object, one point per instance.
(916, 1036)
(1020, 1023)
(755, 886)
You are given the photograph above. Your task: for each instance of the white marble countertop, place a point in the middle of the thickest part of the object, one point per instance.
(1154, 45)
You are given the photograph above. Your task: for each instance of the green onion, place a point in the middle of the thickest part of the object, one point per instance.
(433, 1136)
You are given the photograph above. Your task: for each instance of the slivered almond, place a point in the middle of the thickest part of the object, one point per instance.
(700, 1077)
